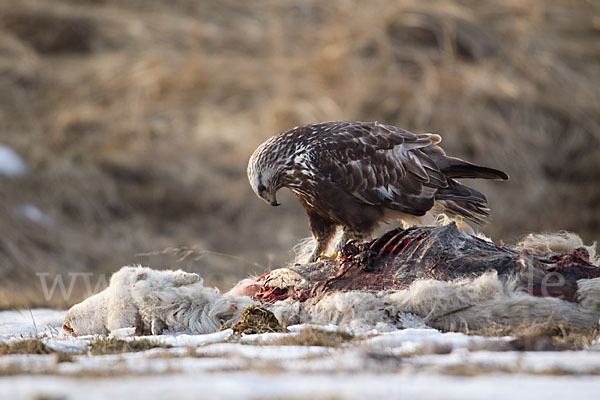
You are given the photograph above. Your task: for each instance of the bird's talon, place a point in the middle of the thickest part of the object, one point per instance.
(331, 256)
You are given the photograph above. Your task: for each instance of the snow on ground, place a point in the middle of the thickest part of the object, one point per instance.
(415, 363)
(30, 322)
(11, 163)
(244, 385)
(34, 214)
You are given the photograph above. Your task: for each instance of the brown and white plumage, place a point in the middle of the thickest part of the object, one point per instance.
(357, 174)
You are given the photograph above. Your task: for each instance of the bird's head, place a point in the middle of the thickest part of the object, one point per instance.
(266, 190)
(263, 174)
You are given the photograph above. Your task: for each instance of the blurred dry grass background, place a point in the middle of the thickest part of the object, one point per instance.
(137, 119)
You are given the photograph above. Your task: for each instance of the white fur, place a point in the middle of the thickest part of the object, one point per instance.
(588, 293)
(562, 242)
(288, 312)
(89, 317)
(155, 300)
(463, 304)
(178, 301)
(108, 310)
(305, 247)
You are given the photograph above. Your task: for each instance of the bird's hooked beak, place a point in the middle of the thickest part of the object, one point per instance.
(272, 200)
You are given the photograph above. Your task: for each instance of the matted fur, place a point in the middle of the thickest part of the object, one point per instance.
(111, 309)
(161, 300)
(178, 301)
(463, 304)
(458, 305)
(153, 300)
(562, 242)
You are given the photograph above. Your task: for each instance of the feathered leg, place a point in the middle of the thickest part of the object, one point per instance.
(349, 235)
(323, 231)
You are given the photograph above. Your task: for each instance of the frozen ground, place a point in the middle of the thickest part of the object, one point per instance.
(415, 363)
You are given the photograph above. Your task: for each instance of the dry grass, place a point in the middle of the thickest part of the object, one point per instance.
(32, 346)
(29, 346)
(547, 336)
(98, 346)
(315, 337)
(107, 345)
(257, 319)
(137, 119)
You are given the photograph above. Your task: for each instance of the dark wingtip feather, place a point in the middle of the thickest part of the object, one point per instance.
(474, 212)
(473, 171)
(454, 167)
(463, 201)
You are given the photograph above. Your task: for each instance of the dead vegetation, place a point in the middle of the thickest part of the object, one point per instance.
(32, 346)
(137, 119)
(29, 346)
(108, 345)
(98, 346)
(257, 319)
(547, 336)
(316, 337)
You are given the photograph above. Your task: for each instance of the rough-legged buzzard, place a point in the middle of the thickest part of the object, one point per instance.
(357, 174)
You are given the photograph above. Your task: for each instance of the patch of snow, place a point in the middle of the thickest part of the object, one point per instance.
(26, 323)
(276, 385)
(270, 353)
(67, 345)
(326, 328)
(408, 341)
(154, 361)
(11, 163)
(123, 332)
(30, 363)
(34, 214)
(382, 365)
(342, 360)
(84, 337)
(570, 362)
(265, 338)
(185, 340)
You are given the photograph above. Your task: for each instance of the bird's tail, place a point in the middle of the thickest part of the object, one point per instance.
(456, 198)
(457, 168)
(454, 167)
(463, 201)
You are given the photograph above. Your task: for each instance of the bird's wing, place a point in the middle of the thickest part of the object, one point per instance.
(381, 165)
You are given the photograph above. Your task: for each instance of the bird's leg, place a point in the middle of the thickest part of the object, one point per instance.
(348, 235)
(323, 231)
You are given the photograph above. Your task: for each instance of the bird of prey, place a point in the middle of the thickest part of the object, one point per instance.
(355, 175)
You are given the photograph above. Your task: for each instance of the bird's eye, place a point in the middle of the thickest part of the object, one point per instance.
(261, 189)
